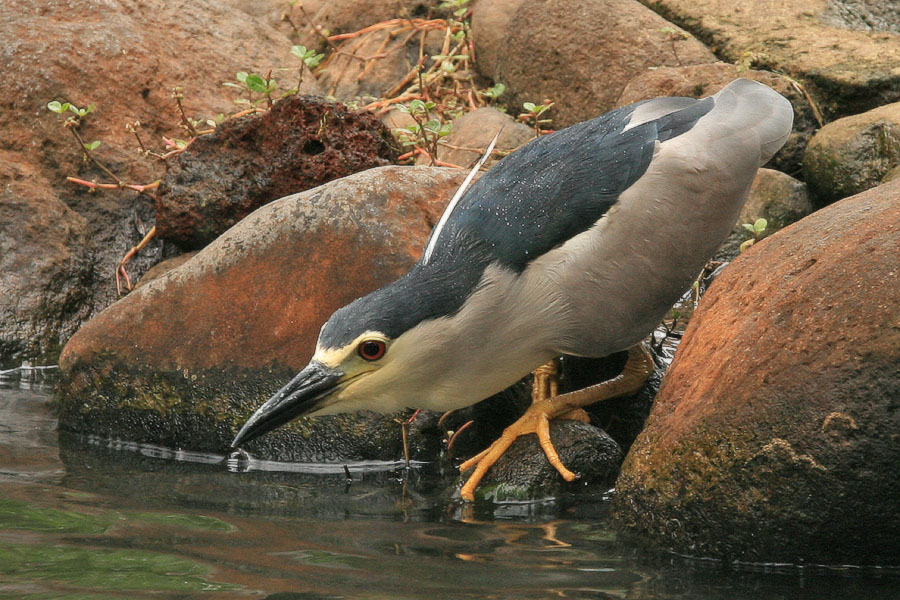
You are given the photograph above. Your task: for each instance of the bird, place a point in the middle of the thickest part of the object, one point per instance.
(578, 243)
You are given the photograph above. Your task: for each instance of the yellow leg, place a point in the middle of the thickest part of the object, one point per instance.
(545, 407)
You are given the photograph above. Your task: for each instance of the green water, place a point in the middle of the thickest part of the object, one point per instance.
(90, 519)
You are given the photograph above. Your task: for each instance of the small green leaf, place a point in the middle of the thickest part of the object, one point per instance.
(529, 106)
(55, 107)
(92, 146)
(749, 227)
(760, 225)
(747, 244)
(241, 76)
(255, 83)
(496, 91)
(299, 51)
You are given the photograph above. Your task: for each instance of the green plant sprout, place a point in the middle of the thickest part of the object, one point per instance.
(459, 9)
(757, 228)
(425, 133)
(533, 114)
(309, 58)
(251, 83)
(494, 91)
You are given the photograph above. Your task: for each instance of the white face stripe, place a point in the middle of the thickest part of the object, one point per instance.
(334, 357)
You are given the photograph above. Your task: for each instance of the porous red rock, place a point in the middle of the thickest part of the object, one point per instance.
(776, 433)
(303, 142)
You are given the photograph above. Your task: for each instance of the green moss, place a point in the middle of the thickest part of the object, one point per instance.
(23, 516)
(105, 569)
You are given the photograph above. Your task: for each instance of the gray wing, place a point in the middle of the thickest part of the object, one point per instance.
(559, 185)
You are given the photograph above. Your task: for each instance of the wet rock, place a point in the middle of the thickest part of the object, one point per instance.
(594, 451)
(578, 54)
(853, 154)
(524, 473)
(303, 142)
(46, 269)
(473, 132)
(774, 436)
(184, 360)
(697, 81)
(852, 66)
(111, 54)
(774, 196)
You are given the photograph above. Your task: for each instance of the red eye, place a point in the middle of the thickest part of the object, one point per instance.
(371, 349)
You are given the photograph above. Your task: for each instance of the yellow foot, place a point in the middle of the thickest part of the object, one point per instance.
(536, 419)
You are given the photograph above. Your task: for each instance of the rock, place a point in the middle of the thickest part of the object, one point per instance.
(594, 450)
(184, 360)
(473, 132)
(853, 65)
(161, 268)
(774, 196)
(774, 437)
(697, 81)
(578, 54)
(523, 472)
(892, 175)
(378, 63)
(344, 16)
(112, 54)
(46, 269)
(301, 143)
(853, 154)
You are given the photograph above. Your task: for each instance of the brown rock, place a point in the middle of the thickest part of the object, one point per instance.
(853, 62)
(892, 175)
(774, 196)
(578, 54)
(342, 16)
(774, 436)
(473, 132)
(45, 269)
(697, 81)
(185, 359)
(125, 57)
(303, 142)
(161, 268)
(853, 154)
(387, 61)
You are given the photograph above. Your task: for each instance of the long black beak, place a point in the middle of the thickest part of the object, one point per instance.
(299, 397)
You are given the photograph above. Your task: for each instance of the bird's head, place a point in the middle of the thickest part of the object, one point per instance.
(383, 352)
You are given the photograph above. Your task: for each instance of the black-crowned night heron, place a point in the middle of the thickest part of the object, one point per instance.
(577, 244)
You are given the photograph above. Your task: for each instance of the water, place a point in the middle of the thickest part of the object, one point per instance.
(88, 519)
